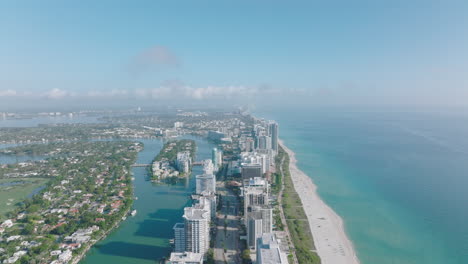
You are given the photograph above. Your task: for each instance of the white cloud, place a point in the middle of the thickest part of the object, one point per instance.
(219, 91)
(198, 93)
(111, 93)
(57, 94)
(169, 90)
(9, 92)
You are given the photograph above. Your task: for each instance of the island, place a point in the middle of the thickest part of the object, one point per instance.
(174, 161)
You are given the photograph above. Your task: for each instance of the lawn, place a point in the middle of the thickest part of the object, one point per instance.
(296, 218)
(11, 195)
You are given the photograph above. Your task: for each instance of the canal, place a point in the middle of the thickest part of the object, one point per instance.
(144, 238)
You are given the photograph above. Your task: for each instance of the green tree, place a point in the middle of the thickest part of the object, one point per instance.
(60, 230)
(25, 259)
(28, 229)
(246, 257)
(210, 256)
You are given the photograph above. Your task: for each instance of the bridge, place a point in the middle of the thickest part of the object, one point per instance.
(140, 165)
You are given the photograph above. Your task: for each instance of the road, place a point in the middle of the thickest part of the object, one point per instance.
(226, 244)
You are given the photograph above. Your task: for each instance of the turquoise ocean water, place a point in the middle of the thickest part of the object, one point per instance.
(399, 180)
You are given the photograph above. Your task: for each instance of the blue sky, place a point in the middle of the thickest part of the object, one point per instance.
(358, 52)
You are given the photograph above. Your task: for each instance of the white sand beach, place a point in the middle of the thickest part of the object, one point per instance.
(331, 241)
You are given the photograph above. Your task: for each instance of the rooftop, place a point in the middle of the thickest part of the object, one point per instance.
(257, 181)
(269, 250)
(186, 257)
(191, 213)
(205, 176)
(179, 225)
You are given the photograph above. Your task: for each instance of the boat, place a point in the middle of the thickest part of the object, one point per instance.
(124, 217)
(133, 213)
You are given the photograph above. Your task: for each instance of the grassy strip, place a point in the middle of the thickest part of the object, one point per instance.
(10, 196)
(296, 217)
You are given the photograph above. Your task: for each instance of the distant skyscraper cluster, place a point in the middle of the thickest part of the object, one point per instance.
(256, 161)
(192, 237)
(259, 148)
(266, 135)
(257, 210)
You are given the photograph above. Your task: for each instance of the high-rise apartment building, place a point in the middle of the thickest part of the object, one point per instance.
(217, 158)
(205, 183)
(197, 230)
(273, 129)
(179, 237)
(184, 161)
(254, 196)
(269, 251)
(249, 171)
(254, 231)
(259, 221)
(208, 167)
(264, 142)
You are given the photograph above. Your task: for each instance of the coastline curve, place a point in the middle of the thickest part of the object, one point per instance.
(328, 230)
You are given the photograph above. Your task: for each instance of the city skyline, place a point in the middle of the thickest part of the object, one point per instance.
(222, 132)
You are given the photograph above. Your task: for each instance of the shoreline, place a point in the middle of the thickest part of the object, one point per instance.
(328, 231)
(77, 259)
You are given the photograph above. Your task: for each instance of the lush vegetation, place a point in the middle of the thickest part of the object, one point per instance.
(210, 256)
(296, 218)
(277, 220)
(276, 177)
(246, 257)
(172, 147)
(89, 184)
(72, 132)
(168, 154)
